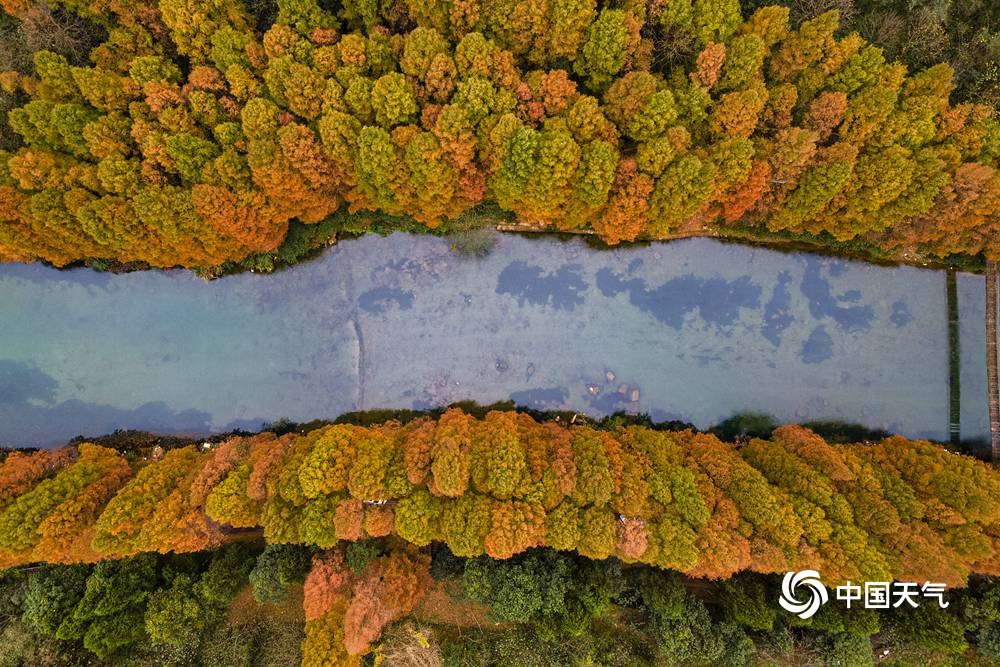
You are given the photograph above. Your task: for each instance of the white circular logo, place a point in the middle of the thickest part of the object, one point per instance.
(809, 580)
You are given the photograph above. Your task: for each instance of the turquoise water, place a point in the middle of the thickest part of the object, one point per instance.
(694, 330)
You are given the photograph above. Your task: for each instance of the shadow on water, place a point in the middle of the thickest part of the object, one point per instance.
(610, 401)
(777, 311)
(42, 275)
(528, 283)
(717, 300)
(818, 347)
(822, 302)
(376, 300)
(46, 426)
(548, 398)
(900, 314)
(21, 383)
(30, 415)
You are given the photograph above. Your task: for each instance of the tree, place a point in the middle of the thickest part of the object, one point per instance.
(227, 573)
(109, 616)
(597, 533)
(392, 100)
(595, 481)
(175, 617)
(324, 641)
(326, 585)
(51, 508)
(418, 517)
(228, 501)
(540, 31)
(694, 636)
(367, 477)
(605, 51)
(304, 16)
(52, 594)
(520, 589)
(386, 591)
(194, 138)
(66, 534)
(348, 519)
(684, 187)
(193, 24)
(20, 471)
(450, 453)
(929, 626)
(745, 602)
(277, 567)
(149, 509)
(514, 527)
(326, 466)
(625, 216)
(498, 458)
(465, 522)
(896, 509)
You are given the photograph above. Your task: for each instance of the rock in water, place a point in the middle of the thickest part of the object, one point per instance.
(593, 389)
(610, 375)
(634, 396)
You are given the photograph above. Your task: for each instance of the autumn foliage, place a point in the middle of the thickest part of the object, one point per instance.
(346, 611)
(199, 134)
(897, 509)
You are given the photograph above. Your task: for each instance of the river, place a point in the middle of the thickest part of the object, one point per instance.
(695, 330)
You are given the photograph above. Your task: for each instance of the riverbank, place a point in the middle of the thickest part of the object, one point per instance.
(305, 243)
(736, 430)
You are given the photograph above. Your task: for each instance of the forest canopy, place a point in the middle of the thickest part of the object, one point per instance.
(195, 133)
(385, 602)
(501, 485)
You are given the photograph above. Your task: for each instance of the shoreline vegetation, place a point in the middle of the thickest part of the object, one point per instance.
(487, 536)
(477, 240)
(174, 134)
(521, 482)
(734, 430)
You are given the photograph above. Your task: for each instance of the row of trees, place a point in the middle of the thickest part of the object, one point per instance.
(555, 598)
(164, 603)
(197, 137)
(897, 509)
(962, 34)
(333, 606)
(564, 599)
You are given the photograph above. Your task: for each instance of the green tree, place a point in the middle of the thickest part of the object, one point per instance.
(277, 567)
(604, 53)
(176, 617)
(52, 594)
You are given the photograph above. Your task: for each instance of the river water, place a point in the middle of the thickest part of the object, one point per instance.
(694, 330)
